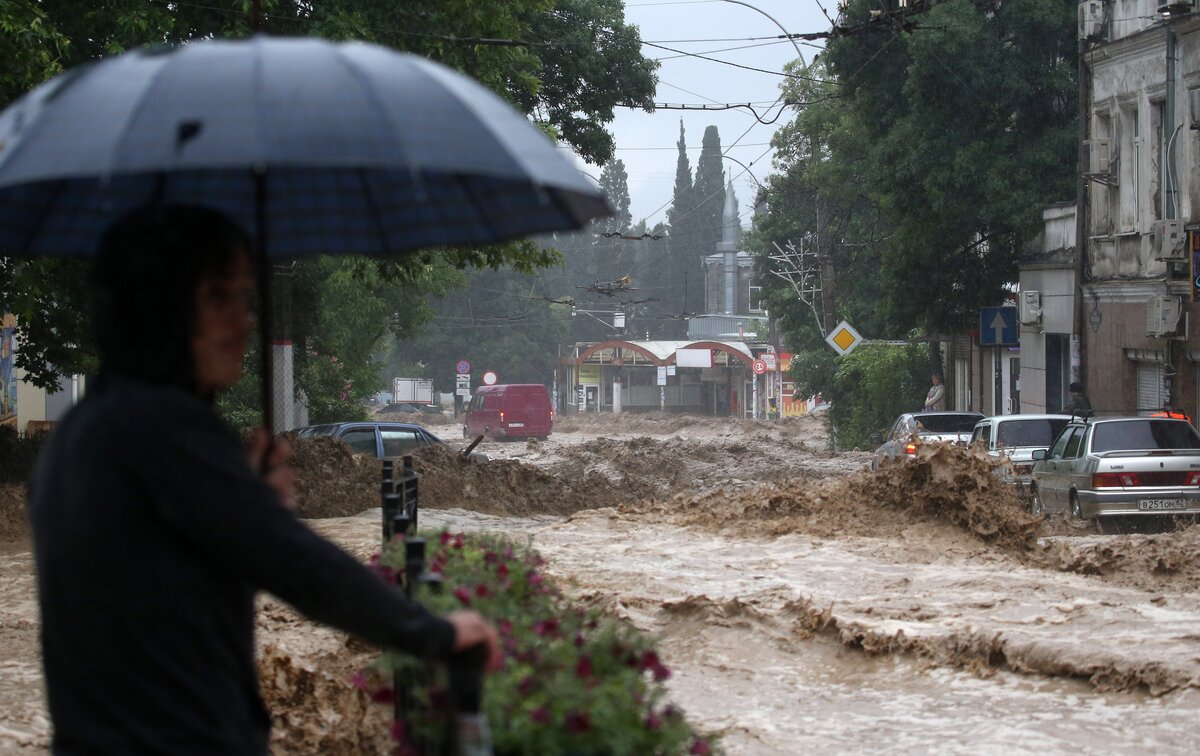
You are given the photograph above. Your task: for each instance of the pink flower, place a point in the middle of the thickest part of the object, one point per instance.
(502, 571)
(583, 668)
(462, 594)
(359, 681)
(548, 627)
(458, 541)
(526, 686)
(700, 748)
(481, 591)
(444, 538)
(579, 721)
(508, 552)
(383, 695)
(540, 715)
(491, 557)
(579, 641)
(652, 721)
(504, 626)
(533, 578)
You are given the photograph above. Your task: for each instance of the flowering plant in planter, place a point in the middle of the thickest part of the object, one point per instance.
(574, 681)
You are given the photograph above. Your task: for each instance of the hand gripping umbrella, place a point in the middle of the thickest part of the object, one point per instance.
(315, 147)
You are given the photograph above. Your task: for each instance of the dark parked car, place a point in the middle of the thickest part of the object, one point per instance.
(379, 439)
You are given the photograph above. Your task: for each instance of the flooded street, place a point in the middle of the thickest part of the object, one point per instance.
(801, 602)
(766, 641)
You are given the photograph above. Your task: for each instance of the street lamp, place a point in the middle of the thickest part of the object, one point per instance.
(747, 169)
(786, 33)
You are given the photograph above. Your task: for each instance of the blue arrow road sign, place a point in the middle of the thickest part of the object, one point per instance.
(998, 326)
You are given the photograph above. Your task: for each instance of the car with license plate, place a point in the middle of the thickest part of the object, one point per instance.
(380, 439)
(1103, 468)
(1013, 439)
(912, 429)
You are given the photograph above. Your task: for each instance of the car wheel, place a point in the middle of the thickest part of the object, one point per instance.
(1035, 502)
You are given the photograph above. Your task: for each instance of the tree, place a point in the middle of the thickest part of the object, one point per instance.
(709, 190)
(570, 86)
(995, 82)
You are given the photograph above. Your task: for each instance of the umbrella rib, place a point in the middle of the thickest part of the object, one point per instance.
(369, 92)
(373, 209)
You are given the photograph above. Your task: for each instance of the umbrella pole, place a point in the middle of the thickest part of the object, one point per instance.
(265, 306)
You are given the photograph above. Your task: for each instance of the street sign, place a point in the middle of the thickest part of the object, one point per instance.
(844, 338)
(462, 382)
(462, 366)
(769, 358)
(759, 367)
(998, 326)
(489, 378)
(460, 391)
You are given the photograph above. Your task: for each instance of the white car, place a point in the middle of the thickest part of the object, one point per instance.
(1014, 439)
(915, 428)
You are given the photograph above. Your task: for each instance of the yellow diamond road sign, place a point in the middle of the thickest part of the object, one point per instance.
(844, 338)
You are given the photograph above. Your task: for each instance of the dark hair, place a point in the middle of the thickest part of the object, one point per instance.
(143, 288)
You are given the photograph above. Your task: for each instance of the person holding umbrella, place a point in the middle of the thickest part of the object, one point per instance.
(153, 531)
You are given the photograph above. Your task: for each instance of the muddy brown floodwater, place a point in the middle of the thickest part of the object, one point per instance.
(802, 601)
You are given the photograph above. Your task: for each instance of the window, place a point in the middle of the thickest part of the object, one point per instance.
(399, 441)
(982, 434)
(360, 440)
(755, 297)
(1074, 444)
(1028, 432)
(1135, 435)
(1061, 444)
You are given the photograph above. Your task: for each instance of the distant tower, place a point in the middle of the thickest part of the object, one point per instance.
(727, 248)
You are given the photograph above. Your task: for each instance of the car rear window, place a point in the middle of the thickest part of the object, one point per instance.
(1040, 432)
(948, 423)
(1134, 435)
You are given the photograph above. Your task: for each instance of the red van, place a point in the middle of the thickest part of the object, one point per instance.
(515, 410)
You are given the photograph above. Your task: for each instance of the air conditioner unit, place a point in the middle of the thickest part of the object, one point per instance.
(1091, 19)
(1100, 157)
(1165, 317)
(1030, 308)
(1168, 240)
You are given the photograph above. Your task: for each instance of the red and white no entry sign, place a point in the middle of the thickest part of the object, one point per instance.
(489, 378)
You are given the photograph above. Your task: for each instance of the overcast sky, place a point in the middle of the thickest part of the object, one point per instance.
(646, 142)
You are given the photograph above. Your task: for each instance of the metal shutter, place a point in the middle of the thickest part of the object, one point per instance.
(1149, 386)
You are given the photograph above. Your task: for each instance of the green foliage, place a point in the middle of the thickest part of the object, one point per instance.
(920, 161)
(873, 385)
(494, 322)
(812, 370)
(574, 681)
(569, 87)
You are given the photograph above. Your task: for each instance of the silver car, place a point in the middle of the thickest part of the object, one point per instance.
(1014, 439)
(915, 428)
(1121, 466)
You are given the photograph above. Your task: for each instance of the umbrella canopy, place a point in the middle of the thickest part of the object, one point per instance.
(314, 147)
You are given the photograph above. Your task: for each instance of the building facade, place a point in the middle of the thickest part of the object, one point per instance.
(1141, 205)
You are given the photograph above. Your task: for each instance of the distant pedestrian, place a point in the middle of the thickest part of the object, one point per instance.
(935, 398)
(1078, 404)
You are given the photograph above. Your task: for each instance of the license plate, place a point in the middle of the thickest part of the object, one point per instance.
(1161, 505)
(516, 425)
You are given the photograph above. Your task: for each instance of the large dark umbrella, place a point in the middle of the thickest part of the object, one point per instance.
(316, 147)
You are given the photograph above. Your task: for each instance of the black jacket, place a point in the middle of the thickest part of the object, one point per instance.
(151, 536)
